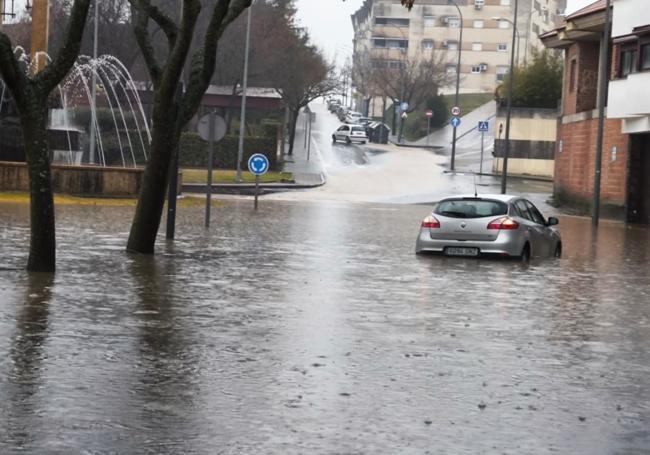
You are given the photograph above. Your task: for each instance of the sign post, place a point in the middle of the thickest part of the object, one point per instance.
(258, 164)
(429, 114)
(211, 128)
(482, 127)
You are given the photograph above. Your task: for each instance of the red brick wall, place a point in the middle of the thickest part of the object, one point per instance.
(584, 95)
(574, 166)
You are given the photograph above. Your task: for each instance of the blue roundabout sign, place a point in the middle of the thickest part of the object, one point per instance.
(258, 164)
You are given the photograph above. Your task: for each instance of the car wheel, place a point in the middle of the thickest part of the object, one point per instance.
(525, 254)
(348, 141)
(558, 251)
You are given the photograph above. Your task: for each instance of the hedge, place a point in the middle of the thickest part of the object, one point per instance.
(194, 151)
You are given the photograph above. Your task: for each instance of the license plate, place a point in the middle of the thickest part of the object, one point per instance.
(460, 251)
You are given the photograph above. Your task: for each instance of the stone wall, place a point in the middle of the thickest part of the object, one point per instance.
(77, 180)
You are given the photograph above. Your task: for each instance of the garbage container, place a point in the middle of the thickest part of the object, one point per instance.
(378, 132)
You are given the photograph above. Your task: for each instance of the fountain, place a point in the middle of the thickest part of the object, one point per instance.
(118, 117)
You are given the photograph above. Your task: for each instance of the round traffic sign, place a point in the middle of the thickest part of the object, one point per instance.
(404, 106)
(455, 111)
(204, 128)
(258, 164)
(429, 113)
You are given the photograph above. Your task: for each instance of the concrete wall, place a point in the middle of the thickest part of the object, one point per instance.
(532, 148)
(77, 180)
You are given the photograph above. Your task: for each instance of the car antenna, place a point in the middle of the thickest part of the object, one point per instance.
(475, 190)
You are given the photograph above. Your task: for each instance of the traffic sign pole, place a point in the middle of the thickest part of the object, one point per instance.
(257, 189)
(258, 164)
(208, 198)
(483, 127)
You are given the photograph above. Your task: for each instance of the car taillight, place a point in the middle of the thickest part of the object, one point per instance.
(430, 222)
(504, 223)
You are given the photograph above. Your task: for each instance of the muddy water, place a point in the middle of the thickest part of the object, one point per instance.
(313, 328)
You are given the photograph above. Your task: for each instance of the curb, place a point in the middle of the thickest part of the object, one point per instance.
(249, 188)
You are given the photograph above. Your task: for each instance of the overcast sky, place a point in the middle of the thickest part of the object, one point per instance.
(330, 27)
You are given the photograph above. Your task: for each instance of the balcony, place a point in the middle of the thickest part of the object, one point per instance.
(629, 97)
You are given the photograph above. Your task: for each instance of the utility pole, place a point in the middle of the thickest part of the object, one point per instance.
(602, 94)
(504, 177)
(456, 96)
(93, 93)
(242, 119)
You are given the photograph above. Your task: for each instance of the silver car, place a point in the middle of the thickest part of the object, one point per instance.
(349, 133)
(500, 225)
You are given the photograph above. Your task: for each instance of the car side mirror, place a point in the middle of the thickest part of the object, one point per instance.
(552, 221)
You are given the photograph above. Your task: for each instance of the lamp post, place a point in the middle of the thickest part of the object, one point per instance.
(242, 119)
(602, 90)
(93, 110)
(506, 152)
(460, 48)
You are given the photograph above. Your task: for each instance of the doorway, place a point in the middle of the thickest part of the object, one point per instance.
(638, 182)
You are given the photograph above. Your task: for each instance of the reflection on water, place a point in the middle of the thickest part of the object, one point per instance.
(313, 328)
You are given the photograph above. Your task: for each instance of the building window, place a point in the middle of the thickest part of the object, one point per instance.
(502, 47)
(391, 22)
(505, 2)
(573, 74)
(504, 24)
(502, 70)
(645, 57)
(477, 46)
(427, 44)
(476, 69)
(451, 45)
(478, 23)
(452, 21)
(429, 21)
(628, 58)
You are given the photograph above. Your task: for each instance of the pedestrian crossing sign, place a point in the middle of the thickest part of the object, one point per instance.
(483, 127)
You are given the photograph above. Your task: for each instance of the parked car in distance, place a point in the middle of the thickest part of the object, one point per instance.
(341, 112)
(350, 133)
(333, 104)
(353, 117)
(365, 121)
(499, 225)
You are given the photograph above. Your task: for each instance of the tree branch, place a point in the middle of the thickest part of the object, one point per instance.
(204, 60)
(50, 77)
(163, 21)
(10, 70)
(141, 31)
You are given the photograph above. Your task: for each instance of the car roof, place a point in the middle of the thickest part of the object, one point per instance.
(494, 197)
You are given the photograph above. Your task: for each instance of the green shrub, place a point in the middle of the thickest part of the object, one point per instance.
(194, 151)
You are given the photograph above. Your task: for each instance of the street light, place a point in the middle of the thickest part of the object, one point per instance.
(506, 152)
(460, 47)
(242, 119)
(505, 19)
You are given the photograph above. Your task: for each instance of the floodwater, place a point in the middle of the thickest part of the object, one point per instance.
(313, 328)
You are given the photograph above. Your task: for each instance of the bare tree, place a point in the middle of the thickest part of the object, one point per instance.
(300, 75)
(412, 79)
(30, 93)
(172, 110)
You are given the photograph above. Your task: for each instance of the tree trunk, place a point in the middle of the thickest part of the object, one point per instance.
(151, 200)
(293, 120)
(42, 247)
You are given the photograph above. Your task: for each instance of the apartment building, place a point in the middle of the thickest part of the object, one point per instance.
(387, 32)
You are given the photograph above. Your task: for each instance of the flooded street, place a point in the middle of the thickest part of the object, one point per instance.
(312, 327)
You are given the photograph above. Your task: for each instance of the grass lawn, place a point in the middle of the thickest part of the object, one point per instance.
(62, 199)
(469, 101)
(228, 176)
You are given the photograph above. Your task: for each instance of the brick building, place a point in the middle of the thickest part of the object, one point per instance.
(626, 147)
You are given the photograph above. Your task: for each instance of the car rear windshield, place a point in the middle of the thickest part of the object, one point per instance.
(358, 128)
(470, 208)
